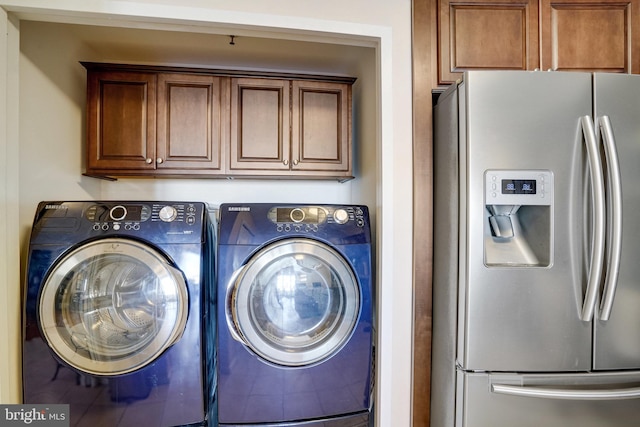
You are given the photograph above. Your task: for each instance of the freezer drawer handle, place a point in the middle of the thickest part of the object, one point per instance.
(597, 249)
(569, 394)
(614, 216)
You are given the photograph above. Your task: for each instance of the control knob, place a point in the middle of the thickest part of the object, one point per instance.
(168, 213)
(340, 216)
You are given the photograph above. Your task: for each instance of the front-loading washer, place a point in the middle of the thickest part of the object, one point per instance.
(295, 315)
(117, 306)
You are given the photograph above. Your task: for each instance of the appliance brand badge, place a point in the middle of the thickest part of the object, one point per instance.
(239, 209)
(56, 207)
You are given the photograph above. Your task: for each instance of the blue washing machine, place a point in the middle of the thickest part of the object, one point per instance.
(295, 315)
(117, 300)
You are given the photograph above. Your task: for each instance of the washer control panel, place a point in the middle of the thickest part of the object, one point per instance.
(131, 216)
(311, 218)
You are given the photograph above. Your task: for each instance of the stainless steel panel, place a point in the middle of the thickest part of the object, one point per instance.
(524, 318)
(484, 407)
(617, 343)
(445, 257)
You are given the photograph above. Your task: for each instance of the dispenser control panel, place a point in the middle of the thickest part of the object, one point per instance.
(518, 187)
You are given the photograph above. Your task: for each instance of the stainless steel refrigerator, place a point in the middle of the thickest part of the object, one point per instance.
(537, 251)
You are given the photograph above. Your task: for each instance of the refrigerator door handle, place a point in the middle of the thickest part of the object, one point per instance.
(597, 191)
(568, 394)
(614, 216)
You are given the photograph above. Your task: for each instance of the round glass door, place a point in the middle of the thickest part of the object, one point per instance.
(112, 306)
(296, 302)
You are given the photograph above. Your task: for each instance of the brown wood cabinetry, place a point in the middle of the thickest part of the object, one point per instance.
(486, 34)
(297, 127)
(589, 35)
(142, 123)
(190, 123)
(164, 121)
(260, 130)
(321, 127)
(121, 121)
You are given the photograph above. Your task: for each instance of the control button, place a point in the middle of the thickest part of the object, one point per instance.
(116, 226)
(105, 226)
(191, 220)
(340, 216)
(168, 213)
(118, 213)
(297, 215)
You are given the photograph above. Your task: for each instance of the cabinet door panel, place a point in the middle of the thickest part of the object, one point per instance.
(189, 122)
(121, 111)
(481, 34)
(590, 35)
(321, 134)
(259, 124)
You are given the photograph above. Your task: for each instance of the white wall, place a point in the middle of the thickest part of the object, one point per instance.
(45, 129)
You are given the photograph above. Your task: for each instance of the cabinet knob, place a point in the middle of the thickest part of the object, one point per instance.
(295, 162)
(148, 161)
(285, 162)
(159, 160)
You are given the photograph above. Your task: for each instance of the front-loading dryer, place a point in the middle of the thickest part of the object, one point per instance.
(295, 315)
(116, 308)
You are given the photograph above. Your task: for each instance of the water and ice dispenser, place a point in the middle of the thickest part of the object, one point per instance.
(518, 218)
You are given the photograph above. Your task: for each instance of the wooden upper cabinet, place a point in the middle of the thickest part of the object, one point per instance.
(321, 126)
(574, 35)
(189, 122)
(298, 128)
(486, 34)
(166, 121)
(260, 130)
(591, 35)
(121, 125)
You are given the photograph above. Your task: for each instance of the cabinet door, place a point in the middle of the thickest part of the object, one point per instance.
(591, 35)
(189, 122)
(486, 34)
(259, 125)
(320, 126)
(121, 120)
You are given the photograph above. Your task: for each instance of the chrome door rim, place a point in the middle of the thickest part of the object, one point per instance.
(75, 345)
(318, 342)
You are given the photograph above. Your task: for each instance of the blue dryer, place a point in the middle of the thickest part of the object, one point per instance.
(295, 315)
(117, 300)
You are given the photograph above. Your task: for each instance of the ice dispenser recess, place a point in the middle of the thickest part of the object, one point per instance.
(518, 214)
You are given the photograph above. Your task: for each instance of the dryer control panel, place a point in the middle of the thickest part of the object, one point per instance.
(255, 223)
(309, 218)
